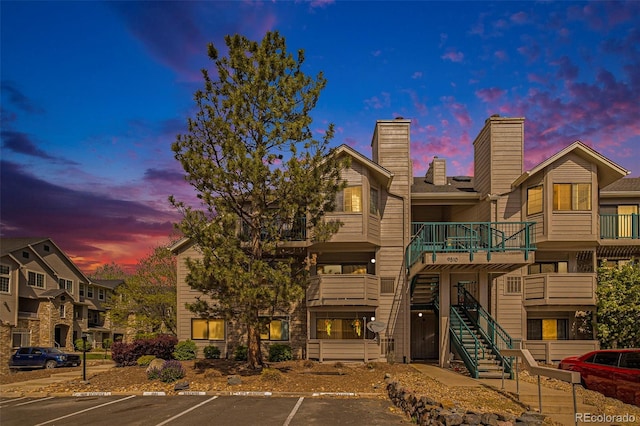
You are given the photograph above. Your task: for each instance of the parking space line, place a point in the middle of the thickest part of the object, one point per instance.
(32, 401)
(12, 400)
(85, 410)
(294, 411)
(186, 411)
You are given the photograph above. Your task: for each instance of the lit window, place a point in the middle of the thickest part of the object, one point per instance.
(36, 279)
(207, 329)
(373, 201)
(350, 200)
(277, 329)
(571, 196)
(344, 325)
(549, 267)
(534, 200)
(548, 329)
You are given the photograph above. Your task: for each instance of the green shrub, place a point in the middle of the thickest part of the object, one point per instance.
(153, 373)
(106, 343)
(240, 354)
(185, 350)
(171, 371)
(82, 345)
(280, 352)
(211, 352)
(145, 360)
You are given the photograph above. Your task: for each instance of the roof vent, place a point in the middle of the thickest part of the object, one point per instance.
(462, 178)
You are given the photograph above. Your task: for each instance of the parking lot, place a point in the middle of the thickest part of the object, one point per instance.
(197, 410)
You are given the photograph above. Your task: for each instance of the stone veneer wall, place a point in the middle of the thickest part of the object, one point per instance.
(426, 411)
(5, 345)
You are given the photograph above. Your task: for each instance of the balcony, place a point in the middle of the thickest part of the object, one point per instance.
(619, 227)
(343, 290)
(560, 289)
(280, 229)
(444, 242)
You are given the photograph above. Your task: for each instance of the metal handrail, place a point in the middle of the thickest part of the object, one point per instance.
(494, 329)
(470, 362)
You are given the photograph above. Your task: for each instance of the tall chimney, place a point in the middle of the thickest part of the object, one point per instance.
(437, 172)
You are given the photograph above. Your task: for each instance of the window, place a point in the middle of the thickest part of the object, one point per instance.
(20, 337)
(35, 279)
(344, 325)
(5, 278)
(350, 200)
(65, 284)
(571, 196)
(549, 268)
(607, 358)
(62, 311)
(373, 201)
(630, 360)
(81, 289)
(534, 200)
(90, 291)
(207, 329)
(548, 329)
(324, 269)
(101, 294)
(277, 329)
(513, 285)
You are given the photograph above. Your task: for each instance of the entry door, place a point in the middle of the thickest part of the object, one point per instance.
(424, 336)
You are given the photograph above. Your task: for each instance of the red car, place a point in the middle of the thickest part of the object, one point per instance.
(612, 372)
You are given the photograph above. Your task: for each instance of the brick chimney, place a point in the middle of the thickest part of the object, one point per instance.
(437, 172)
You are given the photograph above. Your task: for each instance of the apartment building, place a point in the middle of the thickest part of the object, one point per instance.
(437, 266)
(45, 299)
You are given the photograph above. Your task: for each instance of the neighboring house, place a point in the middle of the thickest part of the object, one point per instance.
(99, 326)
(463, 265)
(40, 294)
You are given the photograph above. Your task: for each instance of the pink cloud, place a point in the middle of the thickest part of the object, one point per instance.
(519, 18)
(453, 56)
(501, 55)
(490, 94)
(379, 102)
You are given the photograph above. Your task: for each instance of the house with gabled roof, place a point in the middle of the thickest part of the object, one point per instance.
(438, 267)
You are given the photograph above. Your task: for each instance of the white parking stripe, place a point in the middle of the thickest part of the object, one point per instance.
(31, 402)
(85, 410)
(294, 411)
(12, 400)
(186, 411)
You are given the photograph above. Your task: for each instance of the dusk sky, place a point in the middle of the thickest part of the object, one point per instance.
(94, 94)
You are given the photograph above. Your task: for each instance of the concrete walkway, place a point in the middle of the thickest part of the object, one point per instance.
(557, 404)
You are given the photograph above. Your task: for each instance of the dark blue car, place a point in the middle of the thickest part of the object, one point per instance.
(42, 357)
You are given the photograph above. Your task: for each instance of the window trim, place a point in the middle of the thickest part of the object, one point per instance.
(6, 275)
(102, 294)
(374, 201)
(514, 287)
(266, 336)
(36, 274)
(90, 291)
(341, 200)
(66, 284)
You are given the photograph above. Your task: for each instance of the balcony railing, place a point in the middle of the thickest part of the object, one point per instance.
(619, 226)
(469, 237)
(283, 230)
(343, 289)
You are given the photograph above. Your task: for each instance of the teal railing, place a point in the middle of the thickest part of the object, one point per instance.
(619, 226)
(458, 331)
(487, 326)
(469, 237)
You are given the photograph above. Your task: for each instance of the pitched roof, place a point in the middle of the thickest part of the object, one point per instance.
(110, 284)
(623, 185)
(383, 175)
(8, 245)
(53, 293)
(455, 184)
(608, 171)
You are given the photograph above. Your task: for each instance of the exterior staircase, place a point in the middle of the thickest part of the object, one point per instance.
(424, 291)
(473, 347)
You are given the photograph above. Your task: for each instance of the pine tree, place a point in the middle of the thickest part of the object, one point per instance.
(251, 156)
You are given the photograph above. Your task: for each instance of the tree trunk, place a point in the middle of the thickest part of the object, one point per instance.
(254, 354)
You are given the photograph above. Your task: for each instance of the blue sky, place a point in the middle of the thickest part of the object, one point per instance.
(94, 93)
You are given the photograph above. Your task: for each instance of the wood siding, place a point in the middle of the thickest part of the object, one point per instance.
(560, 289)
(331, 350)
(343, 289)
(509, 308)
(553, 351)
(507, 150)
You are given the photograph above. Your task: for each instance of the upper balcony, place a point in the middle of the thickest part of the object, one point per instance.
(457, 243)
(560, 289)
(343, 290)
(285, 231)
(620, 227)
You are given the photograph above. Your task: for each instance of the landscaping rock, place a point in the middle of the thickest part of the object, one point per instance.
(156, 363)
(234, 380)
